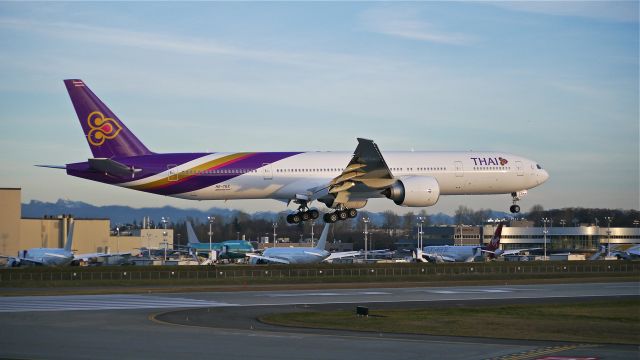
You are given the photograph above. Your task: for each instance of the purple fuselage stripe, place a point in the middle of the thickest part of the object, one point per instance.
(154, 164)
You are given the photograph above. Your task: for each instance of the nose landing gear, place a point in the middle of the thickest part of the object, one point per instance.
(516, 196)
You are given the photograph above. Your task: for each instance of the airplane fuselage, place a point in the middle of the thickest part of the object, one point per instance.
(223, 176)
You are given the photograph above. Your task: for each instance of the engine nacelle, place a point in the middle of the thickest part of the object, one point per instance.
(414, 191)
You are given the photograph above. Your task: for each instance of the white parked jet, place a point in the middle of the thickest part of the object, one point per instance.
(343, 181)
(54, 256)
(300, 255)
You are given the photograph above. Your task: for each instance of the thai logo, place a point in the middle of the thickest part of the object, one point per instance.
(101, 128)
(489, 161)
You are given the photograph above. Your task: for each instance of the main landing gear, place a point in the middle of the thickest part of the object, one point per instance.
(303, 216)
(340, 215)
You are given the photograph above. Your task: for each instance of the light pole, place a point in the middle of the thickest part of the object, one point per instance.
(636, 222)
(608, 218)
(313, 222)
(545, 221)
(420, 222)
(366, 233)
(211, 218)
(563, 222)
(164, 234)
(275, 225)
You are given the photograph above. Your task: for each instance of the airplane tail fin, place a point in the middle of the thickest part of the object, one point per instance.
(495, 241)
(322, 242)
(107, 136)
(69, 243)
(191, 235)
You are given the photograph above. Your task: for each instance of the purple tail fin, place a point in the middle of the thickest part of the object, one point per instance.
(107, 136)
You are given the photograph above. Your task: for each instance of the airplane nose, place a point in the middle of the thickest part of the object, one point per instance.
(544, 176)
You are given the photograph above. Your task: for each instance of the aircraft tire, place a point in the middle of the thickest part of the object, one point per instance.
(515, 209)
(342, 215)
(314, 214)
(352, 213)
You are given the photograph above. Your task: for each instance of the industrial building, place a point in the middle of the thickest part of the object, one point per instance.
(89, 236)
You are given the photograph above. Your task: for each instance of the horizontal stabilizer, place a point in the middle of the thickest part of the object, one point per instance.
(63, 167)
(113, 167)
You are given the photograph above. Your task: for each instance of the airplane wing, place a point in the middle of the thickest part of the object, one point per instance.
(438, 257)
(88, 256)
(367, 168)
(342, 255)
(510, 252)
(267, 258)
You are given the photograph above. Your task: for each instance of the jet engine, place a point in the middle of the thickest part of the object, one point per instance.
(414, 191)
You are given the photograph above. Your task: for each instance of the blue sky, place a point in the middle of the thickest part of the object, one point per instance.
(553, 81)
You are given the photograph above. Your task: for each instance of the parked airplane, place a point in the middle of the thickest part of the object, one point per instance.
(230, 249)
(626, 252)
(54, 256)
(462, 253)
(302, 255)
(342, 181)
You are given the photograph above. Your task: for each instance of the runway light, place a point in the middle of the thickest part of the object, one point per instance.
(125, 273)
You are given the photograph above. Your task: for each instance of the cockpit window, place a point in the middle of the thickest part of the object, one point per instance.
(539, 167)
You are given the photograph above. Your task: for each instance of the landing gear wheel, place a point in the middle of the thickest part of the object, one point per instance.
(305, 216)
(514, 209)
(294, 218)
(314, 214)
(352, 213)
(330, 217)
(342, 214)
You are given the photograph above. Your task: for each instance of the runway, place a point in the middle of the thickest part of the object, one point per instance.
(126, 326)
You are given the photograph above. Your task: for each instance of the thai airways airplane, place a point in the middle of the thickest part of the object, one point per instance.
(342, 181)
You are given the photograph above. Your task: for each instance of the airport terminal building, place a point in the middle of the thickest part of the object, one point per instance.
(89, 236)
(586, 238)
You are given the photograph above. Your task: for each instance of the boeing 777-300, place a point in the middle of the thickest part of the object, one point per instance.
(343, 181)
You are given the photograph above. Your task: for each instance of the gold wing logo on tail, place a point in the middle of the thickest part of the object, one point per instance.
(101, 128)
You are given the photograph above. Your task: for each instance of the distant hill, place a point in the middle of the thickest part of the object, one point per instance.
(127, 215)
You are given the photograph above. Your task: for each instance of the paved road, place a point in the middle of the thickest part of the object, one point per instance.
(120, 326)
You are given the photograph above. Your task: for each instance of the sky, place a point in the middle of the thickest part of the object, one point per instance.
(556, 82)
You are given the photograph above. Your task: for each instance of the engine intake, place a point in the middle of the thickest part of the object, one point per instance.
(414, 191)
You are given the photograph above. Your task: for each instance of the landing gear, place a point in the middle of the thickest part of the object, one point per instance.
(340, 215)
(516, 196)
(303, 216)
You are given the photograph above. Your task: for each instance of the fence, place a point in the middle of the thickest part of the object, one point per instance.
(421, 272)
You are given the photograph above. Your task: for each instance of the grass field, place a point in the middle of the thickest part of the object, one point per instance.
(610, 321)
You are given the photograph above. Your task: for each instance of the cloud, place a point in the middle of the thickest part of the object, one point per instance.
(189, 45)
(406, 23)
(617, 11)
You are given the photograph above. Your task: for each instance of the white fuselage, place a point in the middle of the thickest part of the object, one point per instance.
(457, 173)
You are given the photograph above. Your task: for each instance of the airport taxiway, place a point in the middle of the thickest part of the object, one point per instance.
(141, 326)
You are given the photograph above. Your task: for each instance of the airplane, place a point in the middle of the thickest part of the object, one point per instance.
(299, 255)
(54, 256)
(462, 253)
(230, 249)
(626, 252)
(342, 181)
